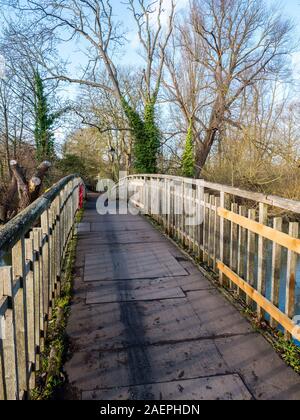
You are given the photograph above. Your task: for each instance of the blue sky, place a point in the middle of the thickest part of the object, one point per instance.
(290, 8)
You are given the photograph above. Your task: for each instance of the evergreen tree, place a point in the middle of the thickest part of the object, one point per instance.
(188, 158)
(44, 137)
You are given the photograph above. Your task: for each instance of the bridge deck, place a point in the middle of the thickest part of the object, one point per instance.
(145, 324)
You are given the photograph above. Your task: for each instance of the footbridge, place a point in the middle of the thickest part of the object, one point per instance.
(181, 290)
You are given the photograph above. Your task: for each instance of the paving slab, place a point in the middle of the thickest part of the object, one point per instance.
(194, 282)
(115, 325)
(217, 314)
(263, 371)
(140, 224)
(124, 237)
(146, 289)
(138, 365)
(159, 246)
(187, 283)
(123, 294)
(223, 387)
(108, 218)
(132, 262)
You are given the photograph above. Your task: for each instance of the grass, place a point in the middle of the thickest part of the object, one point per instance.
(289, 352)
(50, 378)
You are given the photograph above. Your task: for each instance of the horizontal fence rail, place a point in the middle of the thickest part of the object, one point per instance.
(236, 234)
(36, 242)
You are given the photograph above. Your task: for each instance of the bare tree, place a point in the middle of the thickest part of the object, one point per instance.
(93, 21)
(236, 43)
(154, 41)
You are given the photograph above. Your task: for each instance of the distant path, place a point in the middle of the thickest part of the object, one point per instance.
(146, 324)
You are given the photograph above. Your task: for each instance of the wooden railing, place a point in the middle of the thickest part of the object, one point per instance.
(36, 241)
(249, 239)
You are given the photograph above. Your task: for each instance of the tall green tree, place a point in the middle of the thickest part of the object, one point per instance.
(43, 134)
(188, 158)
(146, 137)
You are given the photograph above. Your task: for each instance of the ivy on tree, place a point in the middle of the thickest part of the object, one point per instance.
(188, 158)
(146, 136)
(43, 134)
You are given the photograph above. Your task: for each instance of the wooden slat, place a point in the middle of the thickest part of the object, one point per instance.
(261, 301)
(3, 392)
(194, 226)
(181, 213)
(224, 202)
(30, 308)
(211, 231)
(280, 238)
(233, 241)
(183, 235)
(276, 267)
(242, 245)
(37, 272)
(176, 206)
(205, 227)
(261, 264)
(46, 265)
(172, 214)
(58, 261)
(200, 212)
(53, 248)
(250, 253)
(9, 341)
(291, 276)
(185, 214)
(18, 264)
(215, 232)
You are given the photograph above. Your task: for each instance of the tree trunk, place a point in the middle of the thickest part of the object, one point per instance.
(28, 191)
(204, 148)
(6, 137)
